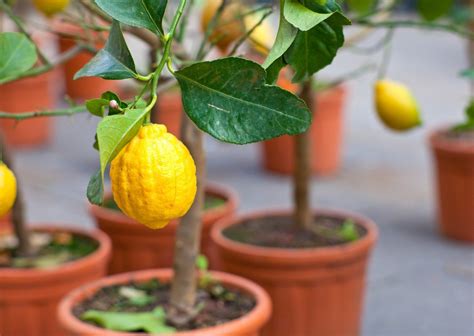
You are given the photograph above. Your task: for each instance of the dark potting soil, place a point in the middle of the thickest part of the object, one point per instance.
(49, 250)
(217, 305)
(279, 232)
(462, 136)
(211, 202)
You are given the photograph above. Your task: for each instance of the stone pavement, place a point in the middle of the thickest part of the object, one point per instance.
(419, 284)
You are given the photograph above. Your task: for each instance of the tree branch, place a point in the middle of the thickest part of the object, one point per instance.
(54, 113)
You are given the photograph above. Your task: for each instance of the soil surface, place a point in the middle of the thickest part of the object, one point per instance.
(279, 232)
(463, 136)
(211, 202)
(50, 250)
(217, 304)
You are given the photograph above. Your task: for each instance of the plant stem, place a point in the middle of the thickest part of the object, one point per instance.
(54, 113)
(302, 169)
(17, 214)
(188, 236)
(448, 27)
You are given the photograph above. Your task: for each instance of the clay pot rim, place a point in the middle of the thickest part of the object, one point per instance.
(297, 256)
(28, 275)
(219, 190)
(438, 142)
(257, 316)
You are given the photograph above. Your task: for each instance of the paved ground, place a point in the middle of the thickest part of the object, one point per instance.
(419, 284)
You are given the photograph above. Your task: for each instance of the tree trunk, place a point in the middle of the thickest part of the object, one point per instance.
(302, 169)
(188, 237)
(17, 213)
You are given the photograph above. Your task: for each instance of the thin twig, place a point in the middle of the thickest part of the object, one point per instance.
(45, 113)
(249, 32)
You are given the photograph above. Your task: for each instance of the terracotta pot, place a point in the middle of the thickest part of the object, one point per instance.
(248, 325)
(29, 297)
(315, 291)
(454, 171)
(136, 247)
(4, 223)
(82, 88)
(326, 138)
(169, 111)
(26, 95)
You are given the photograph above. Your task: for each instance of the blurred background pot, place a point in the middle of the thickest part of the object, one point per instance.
(29, 297)
(314, 291)
(169, 111)
(136, 247)
(326, 134)
(454, 173)
(248, 325)
(27, 95)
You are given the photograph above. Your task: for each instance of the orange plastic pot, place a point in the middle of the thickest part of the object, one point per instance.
(169, 111)
(136, 247)
(26, 95)
(248, 325)
(29, 297)
(315, 291)
(454, 174)
(87, 87)
(326, 134)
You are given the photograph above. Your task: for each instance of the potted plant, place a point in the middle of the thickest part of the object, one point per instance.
(35, 132)
(165, 184)
(453, 155)
(315, 260)
(38, 265)
(135, 247)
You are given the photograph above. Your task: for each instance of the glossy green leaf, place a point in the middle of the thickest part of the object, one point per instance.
(304, 18)
(151, 322)
(115, 132)
(97, 107)
(315, 49)
(95, 189)
(17, 54)
(138, 13)
(362, 6)
(114, 61)
(433, 9)
(273, 71)
(109, 96)
(285, 36)
(228, 99)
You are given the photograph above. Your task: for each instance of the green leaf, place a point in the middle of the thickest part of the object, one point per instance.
(17, 54)
(202, 263)
(304, 18)
(433, 9)
(97, 106)
(285, 36)
(273, 71)
(138, 13)
(228, 99)
(115, 132)
(362, 6)
(114, 61)
(470, 111)
(469, 73)
(135, 296)
(109, 96)
(150, 322)
(95, 189)
(348, 231)
(315, 49)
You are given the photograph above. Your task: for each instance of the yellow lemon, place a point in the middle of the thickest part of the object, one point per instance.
(7, 189)
(230, 25)
(396, 106)
(50, 7)
(154, 177)
(262, 37)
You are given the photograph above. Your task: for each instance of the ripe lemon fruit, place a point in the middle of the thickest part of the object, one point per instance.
(229, 27)
(154, 177)
(396, 106)
(50, 7)
(7, 189)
